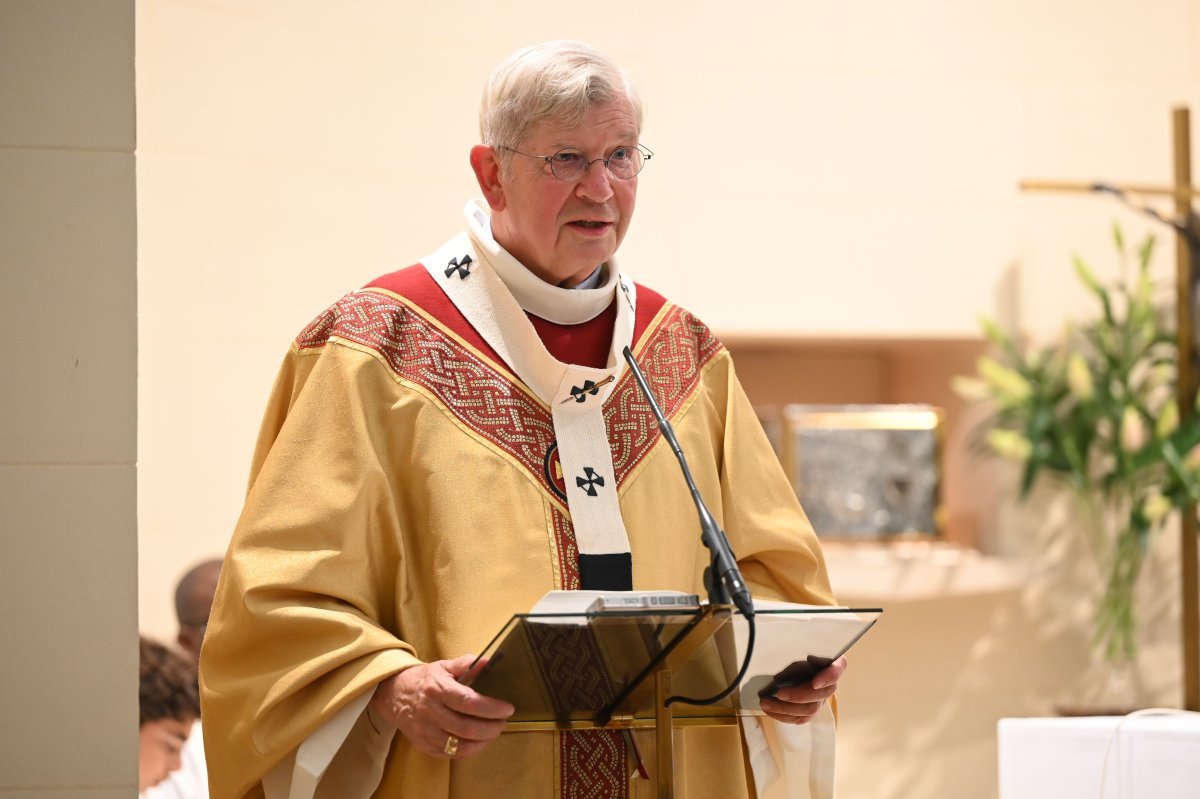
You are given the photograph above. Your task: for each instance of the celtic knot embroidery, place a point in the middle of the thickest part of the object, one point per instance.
(594, 765)
(485, 399)
(673, 359)
(476, 392)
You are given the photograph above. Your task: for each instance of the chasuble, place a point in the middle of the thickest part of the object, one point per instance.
(410, 492)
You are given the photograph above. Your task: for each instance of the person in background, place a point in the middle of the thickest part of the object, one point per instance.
(193, 601)
(168, 706)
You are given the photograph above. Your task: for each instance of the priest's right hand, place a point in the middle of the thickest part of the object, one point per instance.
(431, 707)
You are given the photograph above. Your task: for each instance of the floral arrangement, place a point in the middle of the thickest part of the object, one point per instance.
(1096, 412)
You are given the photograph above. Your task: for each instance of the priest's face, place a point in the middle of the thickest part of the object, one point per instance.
(560, 230)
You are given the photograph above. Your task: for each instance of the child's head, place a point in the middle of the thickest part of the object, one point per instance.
(168, 703)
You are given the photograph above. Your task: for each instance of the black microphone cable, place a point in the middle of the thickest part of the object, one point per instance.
(712, 700)
(714, 539)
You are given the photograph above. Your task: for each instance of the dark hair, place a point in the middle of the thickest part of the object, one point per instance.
(166, 685)
(190, 610)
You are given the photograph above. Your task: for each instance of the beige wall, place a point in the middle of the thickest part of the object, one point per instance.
(68, 557)
(852, 166)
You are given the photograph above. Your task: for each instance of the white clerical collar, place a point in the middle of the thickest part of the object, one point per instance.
(552, 303)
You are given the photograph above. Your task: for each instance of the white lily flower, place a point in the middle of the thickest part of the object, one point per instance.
(1079, 377)
(1156, 506)
(1010, 444)
(1133, 430)
(1008, 384)
(971, 389)
(1168, 420)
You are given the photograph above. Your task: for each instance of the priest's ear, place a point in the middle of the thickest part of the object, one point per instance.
(489, 173)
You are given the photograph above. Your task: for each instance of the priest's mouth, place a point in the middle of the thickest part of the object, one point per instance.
(589, 224)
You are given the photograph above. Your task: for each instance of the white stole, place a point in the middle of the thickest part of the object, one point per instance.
(480, 278)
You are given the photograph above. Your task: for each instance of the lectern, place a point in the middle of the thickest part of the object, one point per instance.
(620, 669)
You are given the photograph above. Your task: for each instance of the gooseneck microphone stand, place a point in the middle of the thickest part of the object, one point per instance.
(722, 578)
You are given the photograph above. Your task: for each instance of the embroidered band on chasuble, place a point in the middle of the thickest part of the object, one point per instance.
(484, 400)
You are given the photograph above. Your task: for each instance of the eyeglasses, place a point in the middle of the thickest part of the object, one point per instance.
(569, 164)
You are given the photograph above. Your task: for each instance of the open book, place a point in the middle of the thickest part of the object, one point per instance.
(586, 655)
(793, 643)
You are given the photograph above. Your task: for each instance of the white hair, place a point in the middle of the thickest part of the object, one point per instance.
(556, 81)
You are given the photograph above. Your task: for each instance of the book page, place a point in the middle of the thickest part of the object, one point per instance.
(580, 601)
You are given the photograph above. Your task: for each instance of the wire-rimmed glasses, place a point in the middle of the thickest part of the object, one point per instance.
(569, 163)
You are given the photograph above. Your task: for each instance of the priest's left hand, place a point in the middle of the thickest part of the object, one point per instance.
(798, 704)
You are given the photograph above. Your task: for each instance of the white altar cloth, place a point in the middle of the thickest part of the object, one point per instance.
(1148, 757)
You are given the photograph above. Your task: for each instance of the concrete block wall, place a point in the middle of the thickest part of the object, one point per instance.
(68, 427)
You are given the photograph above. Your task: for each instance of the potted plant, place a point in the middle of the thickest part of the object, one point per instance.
(1096, 413)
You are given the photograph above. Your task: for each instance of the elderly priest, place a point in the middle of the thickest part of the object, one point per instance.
(450, 442)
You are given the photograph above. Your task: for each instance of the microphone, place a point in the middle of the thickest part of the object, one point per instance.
(722, 577)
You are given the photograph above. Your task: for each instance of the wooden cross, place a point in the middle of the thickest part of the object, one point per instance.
(1183, 193)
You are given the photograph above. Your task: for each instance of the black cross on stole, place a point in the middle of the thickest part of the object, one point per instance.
(589, 481)
(462, 267)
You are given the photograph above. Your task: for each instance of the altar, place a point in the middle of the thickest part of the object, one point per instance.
(1100, 757)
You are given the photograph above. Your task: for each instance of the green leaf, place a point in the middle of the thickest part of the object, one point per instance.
(1027, 478)
(1184, 439)
(998, 337)
(1171, 456)
(1088, 279)
(1146, 251)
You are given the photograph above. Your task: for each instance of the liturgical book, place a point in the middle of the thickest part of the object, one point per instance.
(585, 657)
